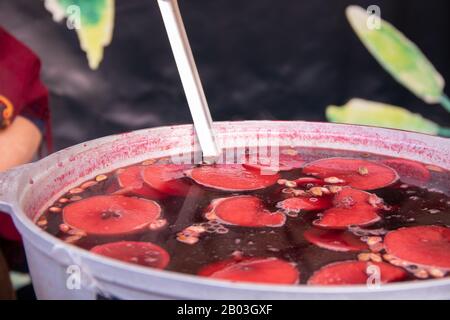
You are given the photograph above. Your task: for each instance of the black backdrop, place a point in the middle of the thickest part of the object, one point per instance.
(260, 59)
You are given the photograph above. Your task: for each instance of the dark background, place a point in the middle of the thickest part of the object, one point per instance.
(260, 59)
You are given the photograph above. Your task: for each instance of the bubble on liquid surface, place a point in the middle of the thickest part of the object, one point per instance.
(213, 226)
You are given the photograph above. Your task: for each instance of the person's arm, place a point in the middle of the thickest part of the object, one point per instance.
(18, 143)
(6, 290)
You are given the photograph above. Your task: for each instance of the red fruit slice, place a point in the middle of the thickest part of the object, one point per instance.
(111, 215)
(356, 272)
(141, 253)
(427, 246)
(335, 240)
(130, 181)
(244, 211)
(351, 207)
(165, 178)
(410, 172)
(359, 174)
(260, 270)
(283, 162)
(297, 204)
(232, 178)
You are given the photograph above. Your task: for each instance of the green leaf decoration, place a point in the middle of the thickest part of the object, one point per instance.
(399, 56)
(96, 24)
(365, 112)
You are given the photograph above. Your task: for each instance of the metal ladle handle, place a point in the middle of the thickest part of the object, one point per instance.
(189, 77)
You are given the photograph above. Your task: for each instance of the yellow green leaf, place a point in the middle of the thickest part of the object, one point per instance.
(96, 24)
(398, 55)
(365, 112)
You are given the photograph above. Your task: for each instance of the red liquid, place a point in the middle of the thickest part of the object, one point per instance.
(427, 204)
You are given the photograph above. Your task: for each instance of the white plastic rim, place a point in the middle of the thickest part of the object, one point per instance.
(26, 191)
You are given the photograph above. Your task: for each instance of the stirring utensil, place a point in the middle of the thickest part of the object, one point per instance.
(190, 78)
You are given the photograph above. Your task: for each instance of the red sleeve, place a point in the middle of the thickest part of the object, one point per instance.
(22, 92)
(20, 82)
